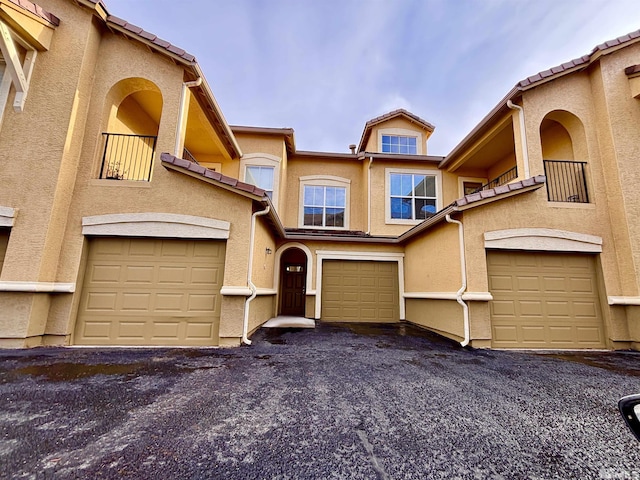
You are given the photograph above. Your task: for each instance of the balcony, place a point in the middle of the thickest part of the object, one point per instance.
(501, 179)
(127, 157)
(566, 181)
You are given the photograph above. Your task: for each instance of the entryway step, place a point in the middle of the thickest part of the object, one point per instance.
(283, 321)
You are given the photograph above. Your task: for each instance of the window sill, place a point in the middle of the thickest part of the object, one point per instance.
(399, 221)
(104, 182)
(586, 206)
(309, 227)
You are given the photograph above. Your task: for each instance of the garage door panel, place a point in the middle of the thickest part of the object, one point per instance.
(202, 302)
(505, 333)
(563, 306)
(587, 335)
(532, 334)
(582, 285)
(151, 293)
(501, 283)
(531, 308)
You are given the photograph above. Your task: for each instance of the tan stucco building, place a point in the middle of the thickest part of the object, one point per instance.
(131, 213)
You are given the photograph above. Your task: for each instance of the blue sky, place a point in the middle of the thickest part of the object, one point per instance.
(325, 67)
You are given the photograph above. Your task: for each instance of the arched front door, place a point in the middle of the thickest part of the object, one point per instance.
(293, 282)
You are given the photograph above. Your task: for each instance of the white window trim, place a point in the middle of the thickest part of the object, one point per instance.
(325, 181)
(387, 193)
(263, 160)
(403, 132)
(322, 255)
(462, 180)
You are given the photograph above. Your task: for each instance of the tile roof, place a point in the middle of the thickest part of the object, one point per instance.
(475, 200)
(150, 37)
(387, 116)
(205, 173)
(578, 62)
(633, 70)
(500, 190)
(37, 10)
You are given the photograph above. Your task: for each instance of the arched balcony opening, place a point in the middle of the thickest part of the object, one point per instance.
(132, 117)
(564, 153)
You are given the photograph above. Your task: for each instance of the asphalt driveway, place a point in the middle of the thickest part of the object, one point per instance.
(335, 402)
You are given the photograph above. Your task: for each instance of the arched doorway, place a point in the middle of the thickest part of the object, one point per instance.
(293, 282)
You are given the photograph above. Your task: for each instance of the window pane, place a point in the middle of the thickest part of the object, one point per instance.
(330, 200)
(341, 197)
(394, 140)
(335, 217)
(407, 185)
(431, 186)
(420, 190)
(404, 140)
(308, 195)
(424, 208)
(260, 177)
(313, 216)
(412, 141)
(396, 181)
(401, 208)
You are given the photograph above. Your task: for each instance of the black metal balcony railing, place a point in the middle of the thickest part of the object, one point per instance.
(566, 181)
(127, 157)
(506, 177)
(186, 155)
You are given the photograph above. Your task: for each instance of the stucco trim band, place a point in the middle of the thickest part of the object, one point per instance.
(472, 296)
(542, 239)
(623, 300)
(169, 225)
(37, 287)
(235, 291)
(7, 216)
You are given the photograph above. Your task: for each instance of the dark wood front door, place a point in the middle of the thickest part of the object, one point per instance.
(293, 290)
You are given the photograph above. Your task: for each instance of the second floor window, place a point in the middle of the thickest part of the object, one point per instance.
(412, 196)
(261, 177)
(324, 206)
(399, 144)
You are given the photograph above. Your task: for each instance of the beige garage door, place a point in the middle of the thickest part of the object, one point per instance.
(151, 292)
(360, 291)
(544, 300)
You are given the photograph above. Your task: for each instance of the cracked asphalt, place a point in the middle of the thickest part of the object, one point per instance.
(356, 402)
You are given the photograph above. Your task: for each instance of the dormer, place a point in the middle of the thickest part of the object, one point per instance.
(397, 132)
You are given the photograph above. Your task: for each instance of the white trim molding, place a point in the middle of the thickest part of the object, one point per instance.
(369, 256)
(429, 172)
(629, 301)
(542, 239)
(235, 291)
(7, 216)
(471, 296)
(37, 287)
(169, 225)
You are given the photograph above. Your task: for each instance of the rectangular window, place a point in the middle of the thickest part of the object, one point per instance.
(324, 206)
(399, 144)
(413, 196)
(261, 177)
